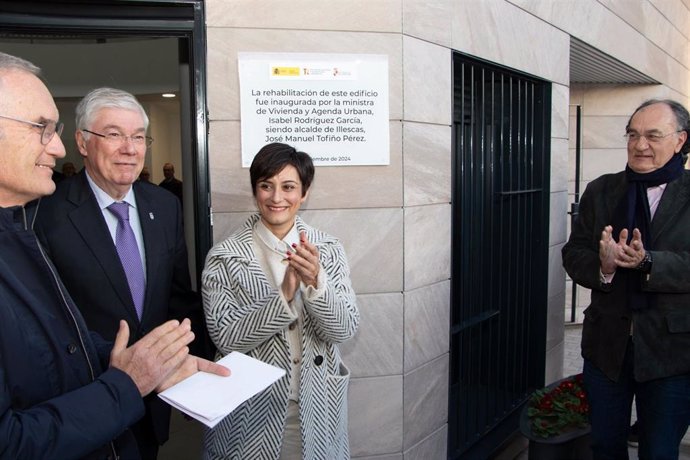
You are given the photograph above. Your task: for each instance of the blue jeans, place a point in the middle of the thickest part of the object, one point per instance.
(610, 405)
(663, 409)
(663, 412)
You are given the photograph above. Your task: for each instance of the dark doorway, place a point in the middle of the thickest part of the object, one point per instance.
(500, 230)
(65, 29)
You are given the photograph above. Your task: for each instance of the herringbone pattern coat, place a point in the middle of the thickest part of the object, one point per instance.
(245, 313)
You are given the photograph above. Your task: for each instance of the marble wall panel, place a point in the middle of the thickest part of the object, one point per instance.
(231, 190)
(427, 245)
(676, 11)
(224, 44)
(560, 98)
(375, 411)
(427, 321)
(621, 100)
(555, 319)
(427, 165)
(362, 186)
(582, 301)
(572, 132)
(377, 348)
(427, 85)
(513, 32)
(571, 190)
(603, 132)
(227, 223)
(429, 21)
(577, 94)
(372, 239)
(333, 186)
(663, 23)
(223, 81)
(559, 205)
(373, 242)
(434, 447)
(553, 368)
(596, 162)
(595, 24)
(556, 281)
(558, 181)
(351, 15)
(425, 401)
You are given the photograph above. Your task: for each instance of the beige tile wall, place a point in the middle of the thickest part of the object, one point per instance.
(503, 33)
(632, 31)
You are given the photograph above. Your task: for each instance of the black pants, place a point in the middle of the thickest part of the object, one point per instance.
(146, 438)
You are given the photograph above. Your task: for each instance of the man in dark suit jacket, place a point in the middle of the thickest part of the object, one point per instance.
(79, 232)
(630, 245)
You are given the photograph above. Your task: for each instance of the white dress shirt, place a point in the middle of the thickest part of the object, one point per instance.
(104, 200)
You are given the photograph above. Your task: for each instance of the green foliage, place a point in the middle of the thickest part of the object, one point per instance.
(555, 410)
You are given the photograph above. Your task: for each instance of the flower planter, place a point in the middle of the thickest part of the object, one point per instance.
(570, 445)
(576, 448)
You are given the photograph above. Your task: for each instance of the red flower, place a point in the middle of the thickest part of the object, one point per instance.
(559, 408)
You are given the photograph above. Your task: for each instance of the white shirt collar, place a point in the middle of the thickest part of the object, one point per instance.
(272, 242)
(104, 200)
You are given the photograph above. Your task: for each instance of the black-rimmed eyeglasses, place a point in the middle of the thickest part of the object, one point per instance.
(118, 139)
(48, 129)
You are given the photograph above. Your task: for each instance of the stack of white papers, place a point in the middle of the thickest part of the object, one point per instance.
(209, 398)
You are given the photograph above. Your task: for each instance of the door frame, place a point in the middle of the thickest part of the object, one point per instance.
(184, 19)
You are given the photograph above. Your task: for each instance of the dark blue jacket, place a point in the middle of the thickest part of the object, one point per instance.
(56, 402)
(72, 230)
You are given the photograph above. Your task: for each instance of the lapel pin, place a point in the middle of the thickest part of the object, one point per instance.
(151, 215)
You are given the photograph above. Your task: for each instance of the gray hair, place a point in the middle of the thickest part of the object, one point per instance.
(106, 98)
(9, 62)
(682, 119)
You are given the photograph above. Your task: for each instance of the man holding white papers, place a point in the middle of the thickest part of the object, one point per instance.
(280, 291)
(209, 398)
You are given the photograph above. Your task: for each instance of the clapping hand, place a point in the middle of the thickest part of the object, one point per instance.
(161, 358)
(614, 254)
(303, 265)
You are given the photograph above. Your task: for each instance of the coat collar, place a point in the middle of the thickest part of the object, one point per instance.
(14, 218)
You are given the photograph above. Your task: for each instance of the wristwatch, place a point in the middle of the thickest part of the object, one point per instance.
(646, 265)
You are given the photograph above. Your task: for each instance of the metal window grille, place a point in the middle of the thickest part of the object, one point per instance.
(500, 233)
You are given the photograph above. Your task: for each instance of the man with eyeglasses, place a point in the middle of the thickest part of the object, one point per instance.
(65, 393)
(118, 243)
(630, 245)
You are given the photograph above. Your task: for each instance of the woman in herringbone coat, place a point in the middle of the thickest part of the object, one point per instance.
(280, 291)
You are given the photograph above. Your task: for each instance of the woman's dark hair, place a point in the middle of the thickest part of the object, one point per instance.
(272, 158)
(679, 111)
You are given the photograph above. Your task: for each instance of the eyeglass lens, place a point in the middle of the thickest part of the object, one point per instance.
(49, 130)
(120, 139)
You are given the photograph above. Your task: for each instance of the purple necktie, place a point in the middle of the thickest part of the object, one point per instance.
(128, 251)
